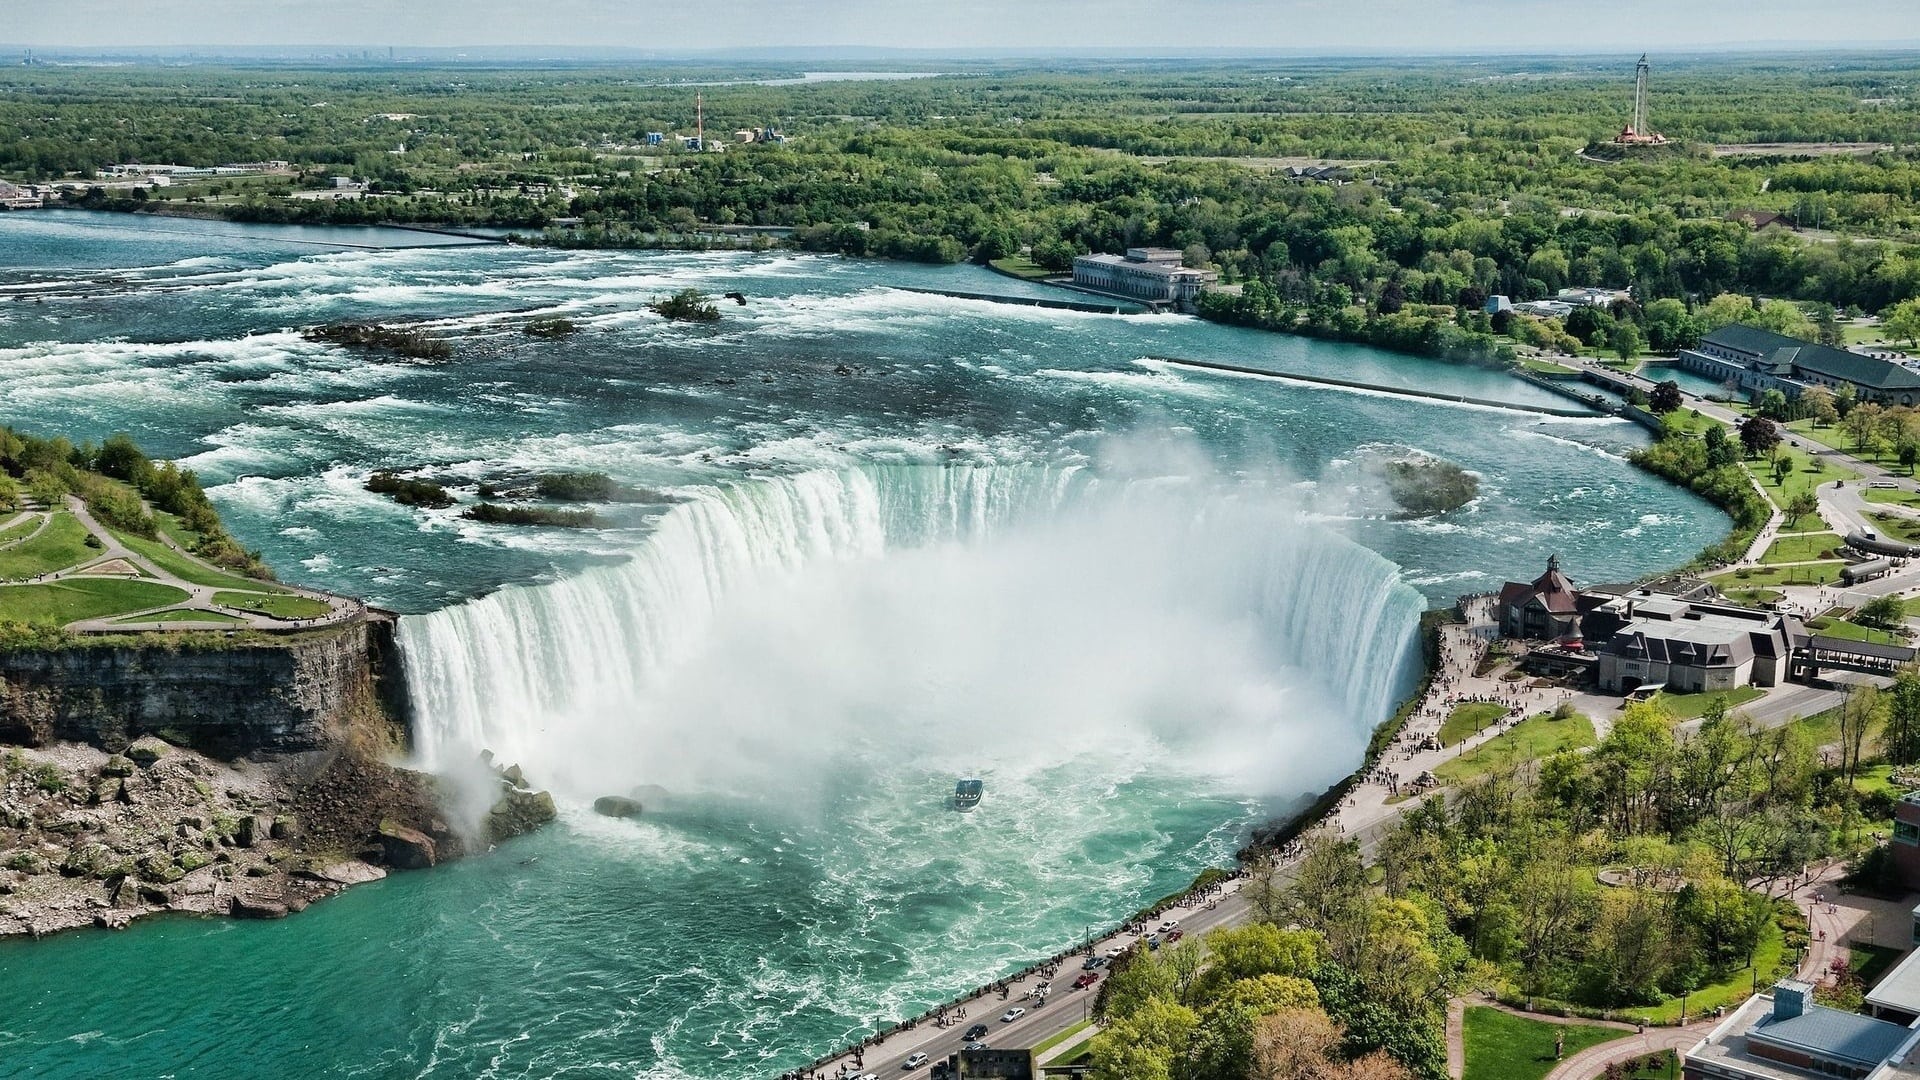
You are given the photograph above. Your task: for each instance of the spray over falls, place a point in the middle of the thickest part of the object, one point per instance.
(774, 633)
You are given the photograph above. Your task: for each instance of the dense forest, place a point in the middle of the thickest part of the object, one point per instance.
(1462, 178)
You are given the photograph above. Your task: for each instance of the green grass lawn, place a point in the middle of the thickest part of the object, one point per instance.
(64, 544)
(1533, 738)
(1852, 631)
(1897, 526)
(280, 605)
(171, 525)
(1546, 367)
(1049, 1043)
(1502, 1046)
(1806, 548)
(24, 529)
(1467, 719)
(1770, 577)
(186, 615)
(1808, 472)
(1752, 597)
(189, 569)
(1021, 266)
(61, 602)
(1693, 706)
(1869, 962)
(1890, 495)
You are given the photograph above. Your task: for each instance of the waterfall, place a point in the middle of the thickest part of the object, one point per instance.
(921, 612)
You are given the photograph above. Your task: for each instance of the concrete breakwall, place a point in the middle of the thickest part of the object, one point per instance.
(1109, 308)
(225, 698)
(1398, 391)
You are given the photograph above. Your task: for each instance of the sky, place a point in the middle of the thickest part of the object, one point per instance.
(1168, 26)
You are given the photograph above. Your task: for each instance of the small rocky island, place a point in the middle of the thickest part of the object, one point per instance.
(1418, 484)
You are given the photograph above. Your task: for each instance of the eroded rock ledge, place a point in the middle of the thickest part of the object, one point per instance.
(89, 837)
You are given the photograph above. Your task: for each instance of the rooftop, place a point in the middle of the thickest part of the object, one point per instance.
(1900, 988)
(1780, 350)
(1860, 1042)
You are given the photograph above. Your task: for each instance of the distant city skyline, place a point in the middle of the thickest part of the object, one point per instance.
(1355, 26)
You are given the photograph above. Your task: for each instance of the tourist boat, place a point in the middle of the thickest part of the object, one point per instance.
(966, 794)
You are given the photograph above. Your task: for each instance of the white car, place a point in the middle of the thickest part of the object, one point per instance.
(1170, 924)
(1012, 1014)
(914, 1061)
(1115, 952)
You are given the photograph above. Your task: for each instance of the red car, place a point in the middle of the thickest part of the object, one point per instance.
(1086, 980)
(1175, 934)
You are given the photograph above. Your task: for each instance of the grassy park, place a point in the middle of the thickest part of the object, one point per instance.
(1502, 1046)
(1530, 740)
(1467, 719)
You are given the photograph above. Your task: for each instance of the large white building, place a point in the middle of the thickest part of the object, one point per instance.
(1151, 274)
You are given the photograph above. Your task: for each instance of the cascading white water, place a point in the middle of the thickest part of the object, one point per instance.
(918, 616)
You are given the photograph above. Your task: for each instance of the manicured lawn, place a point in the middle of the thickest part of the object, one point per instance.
(1890, 495)
(186, 615)
(1546, 367)
(1897, 526)
(1852, 631)
(1752, 597)
(1693, 706)
(188, 569)
(1658, 1065)
(61, 602)
(170, 525)
(1502, 1046)
(25, 528)
(1022, 266)
(64, 544)
(1808, 472)
(1869, 962)
(1467, 719)
(1768, 577)
(1807, 548)
(1056, 1040)
(281, 605)
(1530, 740)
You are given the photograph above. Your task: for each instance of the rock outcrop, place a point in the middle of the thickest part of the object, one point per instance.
(224, 698)
(616, 806)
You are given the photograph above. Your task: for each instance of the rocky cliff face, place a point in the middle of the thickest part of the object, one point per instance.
(225, 700)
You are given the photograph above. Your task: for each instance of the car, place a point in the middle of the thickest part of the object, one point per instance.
(1170, 924)
(1089, 963)
(1012, 1014)
(975, 1045)
(1115, 952)
(1175, 934)
(974, 1033)
(914, 1060)
(1086, 980)
(1153, 941)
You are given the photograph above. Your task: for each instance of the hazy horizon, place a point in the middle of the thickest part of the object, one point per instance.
(978, 28)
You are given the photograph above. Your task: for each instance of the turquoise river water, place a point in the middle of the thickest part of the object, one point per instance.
(880, 539)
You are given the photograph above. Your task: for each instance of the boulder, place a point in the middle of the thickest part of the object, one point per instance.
(107, 789)
(244, 832)
(114, 920)
(118, 765)
(261, 906)
(408, 849)
(616, 806)
(512, 775)
(284, 827)
(146, 750)
(518, 812)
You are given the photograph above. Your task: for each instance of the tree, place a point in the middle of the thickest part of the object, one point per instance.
(1774, 406)
(1804, 504)
(1862, 423)
(1817, 402)
(1758, 435)
(1902, 322)
(1885, 612)
(1901, 739)
(1295, 1044)
(1782, 468)
(9, 494)
(1721, 450)
(1625, 340)
(1666, 398)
